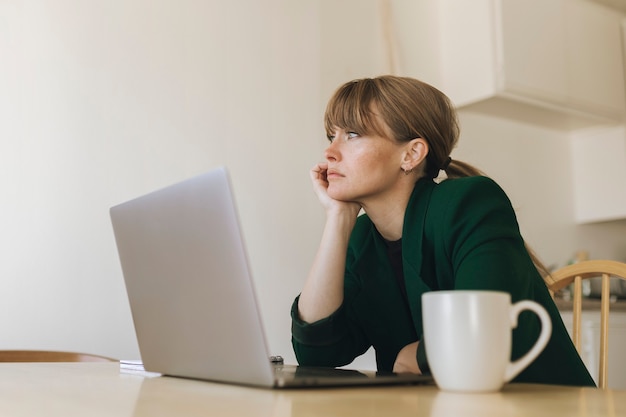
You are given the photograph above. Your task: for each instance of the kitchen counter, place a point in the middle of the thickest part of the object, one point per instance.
(590, 304)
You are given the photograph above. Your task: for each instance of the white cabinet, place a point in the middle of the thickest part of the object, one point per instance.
(599, 174)
(590, 344)
(556, 62)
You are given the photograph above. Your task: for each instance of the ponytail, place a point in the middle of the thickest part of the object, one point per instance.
(460, 169)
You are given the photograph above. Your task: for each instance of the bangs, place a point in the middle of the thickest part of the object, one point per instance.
(353, 108)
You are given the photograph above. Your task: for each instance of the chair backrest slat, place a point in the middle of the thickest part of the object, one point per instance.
(575, 273)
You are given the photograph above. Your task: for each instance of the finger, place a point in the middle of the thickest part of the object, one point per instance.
(319, 171)
(319, 167)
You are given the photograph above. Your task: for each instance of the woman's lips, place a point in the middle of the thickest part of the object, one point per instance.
(333, 174)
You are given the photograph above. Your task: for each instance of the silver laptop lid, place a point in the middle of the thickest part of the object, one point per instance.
(184, 262)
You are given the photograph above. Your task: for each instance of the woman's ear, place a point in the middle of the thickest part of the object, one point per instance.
(414, 154)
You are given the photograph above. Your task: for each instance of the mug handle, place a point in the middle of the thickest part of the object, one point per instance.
(519, 365)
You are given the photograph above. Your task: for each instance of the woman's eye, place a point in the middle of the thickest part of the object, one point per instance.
(346, 136)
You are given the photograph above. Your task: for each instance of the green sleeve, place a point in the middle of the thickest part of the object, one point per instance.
(330, 342)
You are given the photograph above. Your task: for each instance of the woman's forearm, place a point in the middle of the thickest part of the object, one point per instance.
(322, 293)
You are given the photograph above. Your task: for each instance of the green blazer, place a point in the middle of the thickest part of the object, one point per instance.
(459, 234)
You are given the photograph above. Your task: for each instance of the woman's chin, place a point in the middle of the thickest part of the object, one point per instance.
(334, 192)
(340, 196)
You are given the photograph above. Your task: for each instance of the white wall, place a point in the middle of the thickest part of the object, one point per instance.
(102, 101)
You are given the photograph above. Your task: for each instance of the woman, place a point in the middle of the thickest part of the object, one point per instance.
(389, 139)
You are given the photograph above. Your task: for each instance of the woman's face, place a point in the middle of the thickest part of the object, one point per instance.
(362, 168)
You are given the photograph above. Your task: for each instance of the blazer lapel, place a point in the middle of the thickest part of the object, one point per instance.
(412, 237)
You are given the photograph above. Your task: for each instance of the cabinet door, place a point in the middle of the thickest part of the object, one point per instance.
(563, 52)
(595, 59)
(531, 45)
(555, 62)
(466, 50)
(599, 174)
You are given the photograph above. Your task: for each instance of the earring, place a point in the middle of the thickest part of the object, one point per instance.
(407, 171)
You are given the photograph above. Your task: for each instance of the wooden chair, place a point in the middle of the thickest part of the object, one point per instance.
(49, 356)
(575, 273)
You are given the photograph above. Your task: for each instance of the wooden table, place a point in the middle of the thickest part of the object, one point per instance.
(99, 389)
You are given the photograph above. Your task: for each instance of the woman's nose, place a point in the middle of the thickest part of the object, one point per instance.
(331, 152)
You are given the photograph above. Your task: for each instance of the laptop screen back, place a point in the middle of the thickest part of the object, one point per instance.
(188, 282)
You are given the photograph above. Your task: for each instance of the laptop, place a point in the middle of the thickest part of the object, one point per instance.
(192, 296)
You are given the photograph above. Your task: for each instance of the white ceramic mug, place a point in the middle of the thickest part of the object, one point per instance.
(467, 336)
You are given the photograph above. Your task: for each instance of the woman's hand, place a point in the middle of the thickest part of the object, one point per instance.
(320, 186)
(406, 361)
